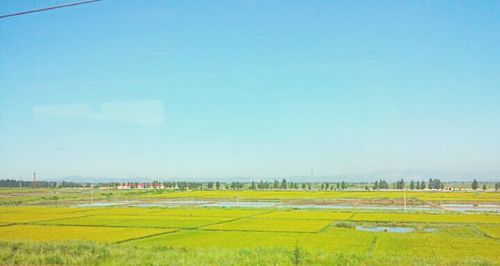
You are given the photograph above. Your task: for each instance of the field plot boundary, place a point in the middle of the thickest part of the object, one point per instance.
(144, 237)
(259, 231)
(252, 224)
(483, 232)
(223, 220)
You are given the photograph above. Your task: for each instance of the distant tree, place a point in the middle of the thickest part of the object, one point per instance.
(375, 186)
(497, 185)
(442, 186)
(366, 188)
(484, 186)
(210, 185)
(401, 184)
(276, 184)
(338, 186)
(422, 185)
(253, 185)
(412, 185)
(343, 185)
(303, 186)
(283, 184)
(326, 186)
(322, 186)
(217, 185)
(382, 184)
(475, 184)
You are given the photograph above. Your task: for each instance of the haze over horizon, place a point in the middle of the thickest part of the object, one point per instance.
(250, 88)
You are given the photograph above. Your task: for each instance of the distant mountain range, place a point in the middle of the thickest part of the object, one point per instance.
(348, 177)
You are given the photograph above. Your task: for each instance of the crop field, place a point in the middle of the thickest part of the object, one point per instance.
(63, 233)
(246, 236)
(273, 225)
(427, 218)
(139, 221)
(316, 195)
(317, 215)
(490, 230)
(447, 244)
(334, 240)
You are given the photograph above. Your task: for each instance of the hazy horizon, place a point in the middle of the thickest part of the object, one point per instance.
(244, 88)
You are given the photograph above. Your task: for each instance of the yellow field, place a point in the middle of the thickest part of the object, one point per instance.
(273, 225)
(206, 212)
(32, 217)
(453, 238)
(316, 195)
(84, 233)
(490, 230)
(451, 244)
(318, 215)
(140, 221)
(427, 217)
(335, 240)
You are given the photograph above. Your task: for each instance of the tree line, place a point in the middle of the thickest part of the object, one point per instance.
(283, 184)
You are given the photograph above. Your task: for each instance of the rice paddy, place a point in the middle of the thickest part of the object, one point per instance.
(79, 233)
(321, 237)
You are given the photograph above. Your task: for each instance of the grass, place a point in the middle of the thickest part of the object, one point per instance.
(84, 253)
(41, 253)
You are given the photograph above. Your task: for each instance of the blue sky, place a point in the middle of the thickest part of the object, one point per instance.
(249, 88)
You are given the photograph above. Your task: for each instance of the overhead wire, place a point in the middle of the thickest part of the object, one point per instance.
(47, 8)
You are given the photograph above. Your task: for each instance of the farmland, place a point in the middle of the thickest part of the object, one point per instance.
(49, 233)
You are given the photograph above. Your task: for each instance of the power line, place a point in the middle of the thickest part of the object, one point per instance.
(48, 8)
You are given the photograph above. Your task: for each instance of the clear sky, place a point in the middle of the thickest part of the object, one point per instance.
(249, 88)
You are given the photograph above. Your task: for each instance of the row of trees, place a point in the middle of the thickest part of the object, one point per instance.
(475, 185)
(382, 184)
(37, 184)
(433, 183)
(417, 185)
(400, 184)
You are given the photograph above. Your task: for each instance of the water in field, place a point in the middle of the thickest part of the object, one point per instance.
(172, 203)
(390, 229)
(360, 207)
(472, 207)
(100, 204)
(243, 204)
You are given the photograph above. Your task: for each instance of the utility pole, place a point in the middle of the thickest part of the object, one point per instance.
(404, 199)
(33, 184)
(91, 195)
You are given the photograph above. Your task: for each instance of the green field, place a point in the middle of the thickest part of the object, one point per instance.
(48, 234)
